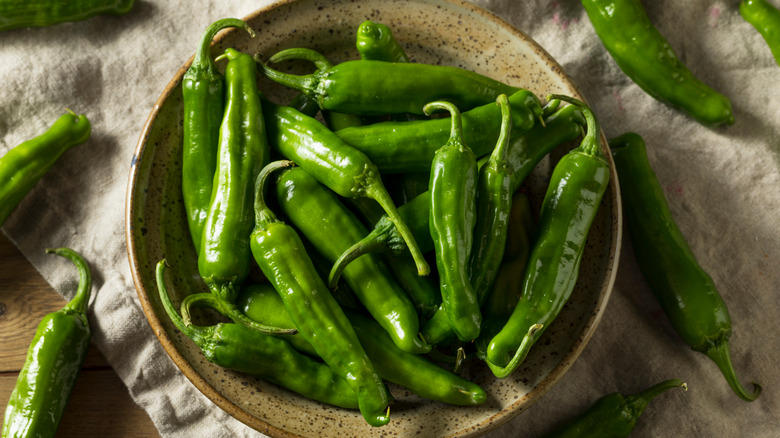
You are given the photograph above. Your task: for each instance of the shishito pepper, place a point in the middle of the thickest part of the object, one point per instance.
(453, 187)
(685, 291)
(576, 187)
(766, 19)
(646, 57)
(240, 348)
(25, 165)
(614, 415)
(280, 253)
(53, 363)
(203, 89)
(39, 13)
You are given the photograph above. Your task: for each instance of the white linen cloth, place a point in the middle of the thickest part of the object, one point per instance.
(723, 186)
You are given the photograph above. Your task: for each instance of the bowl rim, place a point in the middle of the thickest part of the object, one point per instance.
(492, 422)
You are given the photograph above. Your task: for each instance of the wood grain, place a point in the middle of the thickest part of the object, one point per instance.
(100, 404)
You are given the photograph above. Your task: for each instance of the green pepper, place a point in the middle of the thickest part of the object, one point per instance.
(613, 415)
(376, 88)
(646, 57)
(240, 348)
(505, 292)
(685, 291)
(411, 371)
(23, 166)
(53, 363)
(280, 253)
(375, 42)
(766, 20)
(16, 14)
(203, 89)
(337, 165)
(453, 187)
(402, 147)
(525, 151)
(324, 221)
(576, 188)
(225, 257)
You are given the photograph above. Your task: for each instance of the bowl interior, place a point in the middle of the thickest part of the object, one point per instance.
(431, 31)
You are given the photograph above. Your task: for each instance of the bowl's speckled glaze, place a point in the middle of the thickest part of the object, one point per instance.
(432, 31)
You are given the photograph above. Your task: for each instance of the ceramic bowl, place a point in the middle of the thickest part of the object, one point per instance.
(432, 31)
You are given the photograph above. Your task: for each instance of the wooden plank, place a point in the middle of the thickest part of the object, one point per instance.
(99, 407)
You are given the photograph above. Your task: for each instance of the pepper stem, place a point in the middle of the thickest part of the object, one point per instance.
(499, 154)
(317, 58)
(520, 354)
(364, 246)
(456, 128)
(590, 143)
(80, 301)
(719, 353)
(376, 191)
(305, 83)
(264, 216)
(190, 331)
(203, 54)
(636, 403)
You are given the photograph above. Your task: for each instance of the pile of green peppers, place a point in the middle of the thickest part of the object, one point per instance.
(348, 303)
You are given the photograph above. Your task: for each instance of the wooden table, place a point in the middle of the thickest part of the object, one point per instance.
(100, 405)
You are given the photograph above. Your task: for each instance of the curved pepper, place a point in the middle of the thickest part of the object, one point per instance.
(337, 165)
(280, 253)
(403, 147)
(614, 415)
(203, 89)
(323, 220)
(685, 291)
(376, 88)
(576, 188)
(766, 20)
(41, 13)
(23, 166)
(240, 348)
(645, 56)
(53, 363)
(453, 187)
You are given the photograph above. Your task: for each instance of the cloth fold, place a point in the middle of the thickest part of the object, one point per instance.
(722, 184)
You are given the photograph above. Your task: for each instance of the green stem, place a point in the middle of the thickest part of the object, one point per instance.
(520, 354)
(264, 216)
(456, 128)
(317, 58)
(365, 246)
(305, 83)
(203, 54)
(590, 143)
(190, 331)
(719, 353)
(498, 157)
(80, 301)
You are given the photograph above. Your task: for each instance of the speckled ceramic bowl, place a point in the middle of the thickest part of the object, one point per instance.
(432, 31)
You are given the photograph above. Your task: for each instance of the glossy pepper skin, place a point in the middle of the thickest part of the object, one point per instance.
(16, 14)
(505, 291)
(402, 147)
(53, 363)
(224, 258)
(203, 89)
(335, 164)
(525, 151)
(614, 415)
(23, 166)
(411, 371)
(240, 348)
(376, 88)
(576, 188)
(766, 19)
(685, 291)
(323, 220)
(645, 56)
(375, 42)
(280, 253)
(453, 187)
